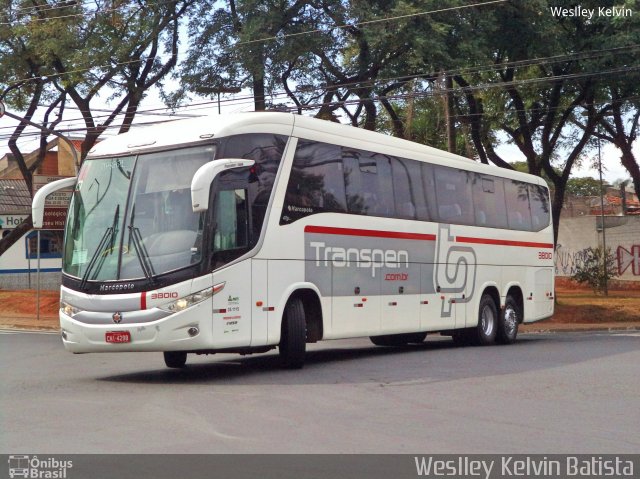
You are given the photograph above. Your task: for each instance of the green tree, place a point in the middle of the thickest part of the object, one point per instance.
(53, 54)
(242, 43)
(536, 102)
(584, 186)
(596, 269)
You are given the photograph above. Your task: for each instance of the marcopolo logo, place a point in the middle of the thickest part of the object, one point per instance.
(361, 258)
(38, 468)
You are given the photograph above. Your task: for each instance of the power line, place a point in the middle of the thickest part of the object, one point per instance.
(395, 97)
(109, 10)
(470, 70)
(370, 22)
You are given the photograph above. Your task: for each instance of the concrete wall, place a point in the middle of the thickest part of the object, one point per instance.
(19, 272)
(622, 237)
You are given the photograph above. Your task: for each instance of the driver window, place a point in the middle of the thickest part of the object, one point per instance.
(231, 230)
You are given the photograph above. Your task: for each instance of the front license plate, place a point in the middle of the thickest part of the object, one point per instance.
(117, 336)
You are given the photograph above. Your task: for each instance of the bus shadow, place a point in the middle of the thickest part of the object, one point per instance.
(432, 361)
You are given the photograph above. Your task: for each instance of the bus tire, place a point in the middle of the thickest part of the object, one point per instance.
(508, 322)
(175, 359)
(293, 339)
(398, 339)
(485, 333)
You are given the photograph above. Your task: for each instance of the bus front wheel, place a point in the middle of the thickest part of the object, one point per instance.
(293, 339)
(175, 359)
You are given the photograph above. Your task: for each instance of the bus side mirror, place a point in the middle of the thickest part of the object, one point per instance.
(37, 206)
(202, 179)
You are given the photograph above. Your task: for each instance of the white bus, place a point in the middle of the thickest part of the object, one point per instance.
(247, 232)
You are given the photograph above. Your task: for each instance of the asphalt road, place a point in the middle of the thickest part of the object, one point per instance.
(560, 393)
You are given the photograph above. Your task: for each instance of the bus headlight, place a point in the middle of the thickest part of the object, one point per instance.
(192, 299)
(69, 310)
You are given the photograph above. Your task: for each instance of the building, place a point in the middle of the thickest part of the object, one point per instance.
(576, 206)
(18, 265)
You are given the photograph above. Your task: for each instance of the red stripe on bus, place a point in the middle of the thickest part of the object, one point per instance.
(328, 230)
(525, 244)
(143, 300)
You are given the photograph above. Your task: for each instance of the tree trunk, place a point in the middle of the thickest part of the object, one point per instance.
(628, 160)
(556, 208)
(259, 92)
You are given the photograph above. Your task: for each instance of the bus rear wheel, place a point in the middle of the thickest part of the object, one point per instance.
(175, 359)
(293, 338)
(508, 322)
(398, 339)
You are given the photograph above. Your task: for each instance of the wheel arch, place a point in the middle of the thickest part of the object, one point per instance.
(492, 290)
(310, 296)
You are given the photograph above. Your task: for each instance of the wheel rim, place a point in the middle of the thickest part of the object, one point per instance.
(487, 321)
(510, 321)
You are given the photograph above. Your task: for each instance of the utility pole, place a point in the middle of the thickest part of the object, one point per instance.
(448, 113)
(604, 234)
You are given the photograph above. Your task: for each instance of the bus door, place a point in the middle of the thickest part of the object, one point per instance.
(230, 239)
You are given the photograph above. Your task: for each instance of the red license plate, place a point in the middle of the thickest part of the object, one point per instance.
(117, 336)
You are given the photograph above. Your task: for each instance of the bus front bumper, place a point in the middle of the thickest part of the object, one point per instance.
(188, 330)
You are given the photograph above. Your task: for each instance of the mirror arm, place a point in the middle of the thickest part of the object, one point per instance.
(37, 206)
(202, 179)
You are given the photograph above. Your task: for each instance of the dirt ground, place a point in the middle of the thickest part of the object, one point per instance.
(576, 306)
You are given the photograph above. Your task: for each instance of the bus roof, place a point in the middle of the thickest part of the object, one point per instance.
(196, 130)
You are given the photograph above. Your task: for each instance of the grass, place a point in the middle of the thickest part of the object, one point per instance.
(584, 306)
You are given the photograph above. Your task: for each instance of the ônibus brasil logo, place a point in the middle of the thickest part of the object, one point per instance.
(36, 468)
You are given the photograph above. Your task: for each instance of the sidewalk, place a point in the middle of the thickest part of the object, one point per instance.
(50, 323)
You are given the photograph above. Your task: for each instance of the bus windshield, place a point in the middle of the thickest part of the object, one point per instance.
(131, 216)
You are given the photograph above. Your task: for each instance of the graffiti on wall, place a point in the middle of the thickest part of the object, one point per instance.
(629, 258)
(567, 262)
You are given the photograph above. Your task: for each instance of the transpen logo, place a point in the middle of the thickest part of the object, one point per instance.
(361, 258)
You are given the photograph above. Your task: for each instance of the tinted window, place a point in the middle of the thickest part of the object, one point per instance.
(266, 150)
(539, 201)
(316, 183)
(367, 183)
(453, 195)
(488, 201)
(518, 213)
(407, 188)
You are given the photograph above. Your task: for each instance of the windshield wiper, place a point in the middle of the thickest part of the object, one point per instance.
(108, 237)
(141, 250)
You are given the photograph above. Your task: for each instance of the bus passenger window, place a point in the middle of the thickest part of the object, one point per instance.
(453, 194)
(539, 200)
(407, 188)
(517, 197)
(488, 201)
(366, 178)
(316, 183)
